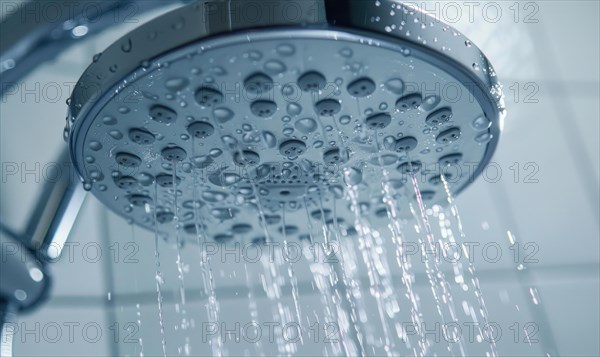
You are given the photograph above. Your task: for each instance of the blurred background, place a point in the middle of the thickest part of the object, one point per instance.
(546, 195)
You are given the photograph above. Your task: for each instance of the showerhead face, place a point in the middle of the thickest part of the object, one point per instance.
(242, 129)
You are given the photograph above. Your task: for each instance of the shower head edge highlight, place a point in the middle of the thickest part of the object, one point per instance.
(478, 79)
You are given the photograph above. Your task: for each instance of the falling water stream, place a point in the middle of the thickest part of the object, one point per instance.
(138, 311)
(341, 295)
(322, 274)
(473, 275)
(181, 308)
(291, 272)
(212, 306)
(440, 286)
(340, 289)
(403, 262)
(253, 309)
(271, 279)
(158, 276)
(342, 256)
(371, 252)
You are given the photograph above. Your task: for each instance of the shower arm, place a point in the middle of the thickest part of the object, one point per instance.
(24, 285)
(30, 38)
(24, 279)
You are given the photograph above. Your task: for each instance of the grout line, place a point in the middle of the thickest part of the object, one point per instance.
(583, 271)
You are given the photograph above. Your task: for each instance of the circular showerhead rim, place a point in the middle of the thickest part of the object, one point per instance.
(478, 91)
(481, 84)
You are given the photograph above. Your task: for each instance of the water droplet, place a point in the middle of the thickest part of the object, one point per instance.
(346, 52)
(337, 191)
(269, 138)
(145, 179)
(345, 119)
(95, 145)
(394, 85)
(223, 115)
(352, 176)
(246, 191)
(288, 131)
(274, 67)
(229, 141)
(115, 134)
(430, 102)
(535, 296)
(126, 46)
(218, 70)
(483, 138)
(384, 160)
(202, 161)
(306, 125)
(288, 90)
(481, 123)
(252, 137)
(225, 179)
(150, 96)
(286, 49)
(215, 152)
(254, 55)
(294, 109)
(214, 196)
(176, 84)
(108, 120)
(318, 144)
(123, 110)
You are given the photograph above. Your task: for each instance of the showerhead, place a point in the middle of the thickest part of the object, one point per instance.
(229, 110)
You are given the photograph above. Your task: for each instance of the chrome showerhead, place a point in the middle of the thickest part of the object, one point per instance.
(229, 110)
